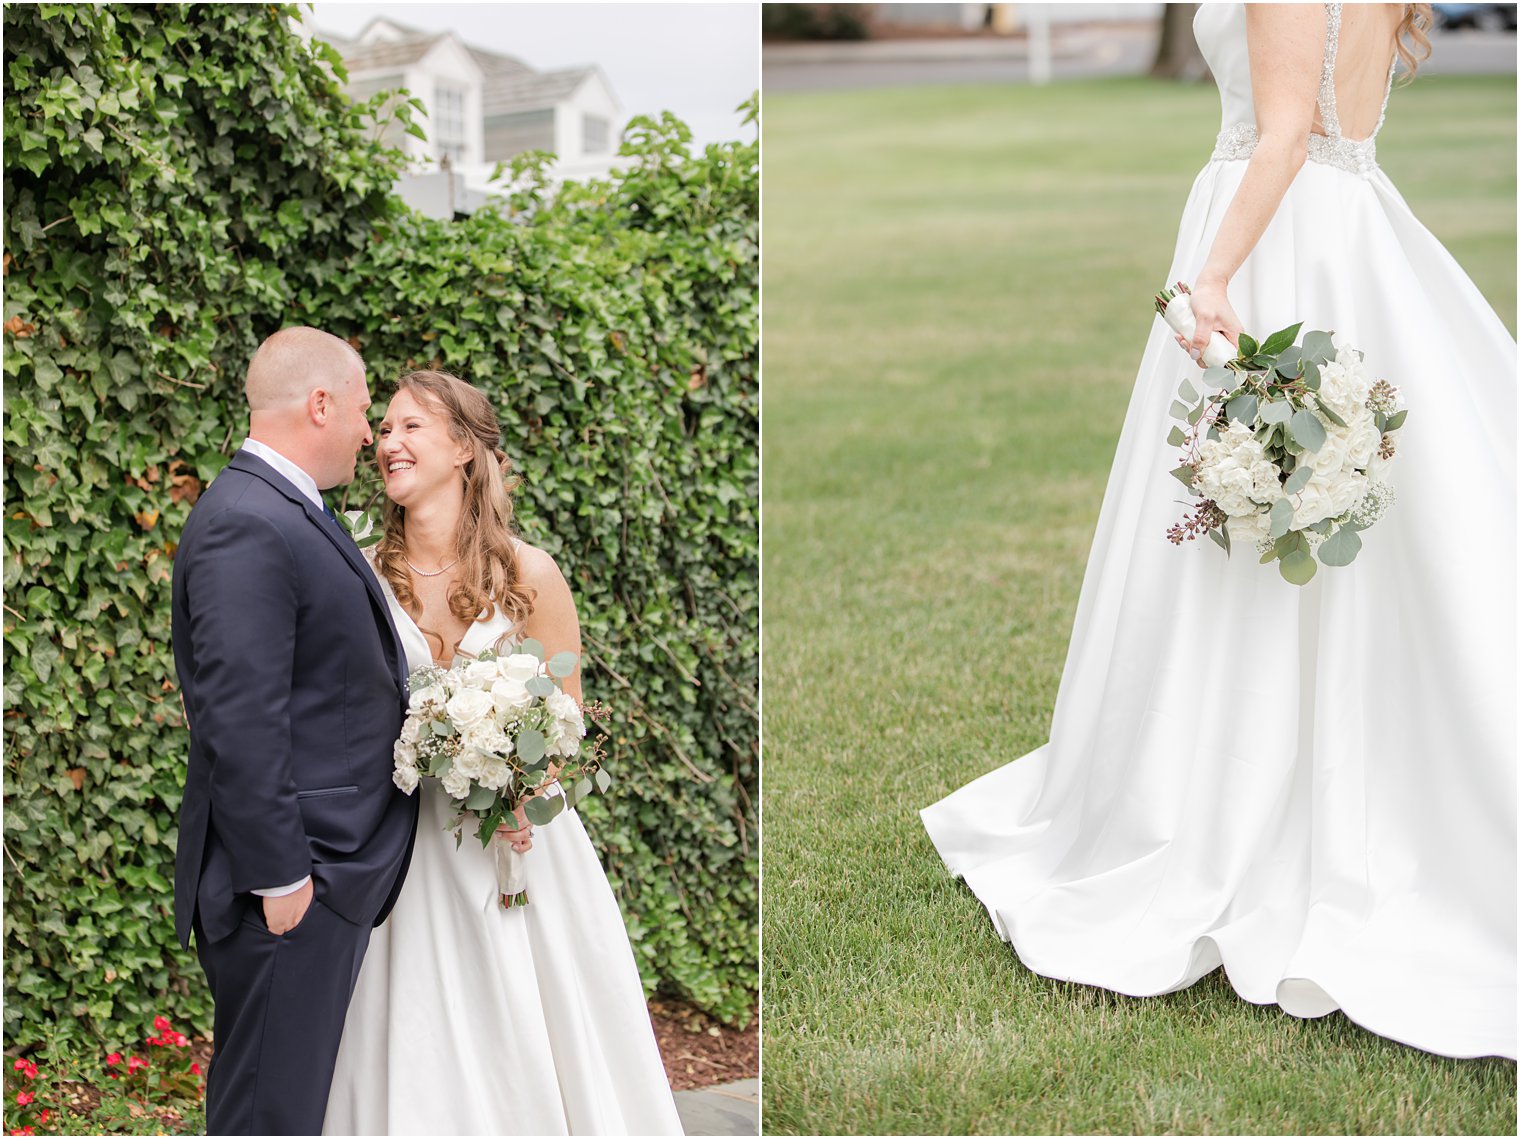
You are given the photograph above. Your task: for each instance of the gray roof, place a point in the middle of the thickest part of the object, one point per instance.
(532, 90)
(496, 66)
(386, 54)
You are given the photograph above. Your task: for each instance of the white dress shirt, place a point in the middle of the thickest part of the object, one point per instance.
(307, 485)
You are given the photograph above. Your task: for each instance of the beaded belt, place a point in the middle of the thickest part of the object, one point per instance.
(1357, 156)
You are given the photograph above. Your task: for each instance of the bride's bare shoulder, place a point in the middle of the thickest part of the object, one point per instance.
(537, 569)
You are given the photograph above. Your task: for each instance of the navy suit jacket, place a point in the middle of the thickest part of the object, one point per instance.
(294, 683)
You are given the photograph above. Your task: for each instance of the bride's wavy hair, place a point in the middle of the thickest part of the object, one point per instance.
(1414, 35)
(488, 581)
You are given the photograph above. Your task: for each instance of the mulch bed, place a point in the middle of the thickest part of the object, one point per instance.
(700, 1052)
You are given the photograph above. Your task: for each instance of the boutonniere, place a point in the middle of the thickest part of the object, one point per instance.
(360, 527)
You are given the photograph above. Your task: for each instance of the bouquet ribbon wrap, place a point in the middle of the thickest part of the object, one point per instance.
(511, 873)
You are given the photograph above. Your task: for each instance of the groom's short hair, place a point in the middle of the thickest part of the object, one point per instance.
(291, 363)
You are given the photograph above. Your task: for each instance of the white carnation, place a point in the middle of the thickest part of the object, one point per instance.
(1221, 478)
(1344, 384)
(411, 730)
(1266, 481)
(404, 752)
(469, 705)
(405, 778)
(456, 783)
(495, 774)
(485, 737)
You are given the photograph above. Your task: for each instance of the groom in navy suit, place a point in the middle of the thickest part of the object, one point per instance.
(293, 840)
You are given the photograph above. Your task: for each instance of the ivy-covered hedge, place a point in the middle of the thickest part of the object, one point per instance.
(180, 182)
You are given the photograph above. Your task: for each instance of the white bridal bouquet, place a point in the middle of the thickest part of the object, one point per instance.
(497, 732)
(1290, 452)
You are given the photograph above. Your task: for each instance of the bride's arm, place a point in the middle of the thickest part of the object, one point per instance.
(1286, 43)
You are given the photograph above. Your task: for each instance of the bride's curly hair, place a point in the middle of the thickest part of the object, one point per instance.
(1415, 29)
(488, 581)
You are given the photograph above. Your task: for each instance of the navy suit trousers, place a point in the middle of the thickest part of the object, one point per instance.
(280, 1005)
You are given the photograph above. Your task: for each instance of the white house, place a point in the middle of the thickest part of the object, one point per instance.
(482, 107)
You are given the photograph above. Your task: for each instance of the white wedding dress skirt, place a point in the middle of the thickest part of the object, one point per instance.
(468, 1019)
(1314, 787)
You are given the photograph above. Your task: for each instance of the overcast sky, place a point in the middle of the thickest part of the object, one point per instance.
(699, 61)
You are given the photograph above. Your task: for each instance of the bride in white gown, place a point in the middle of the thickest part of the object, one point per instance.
(468, 1019)
(1314, 787)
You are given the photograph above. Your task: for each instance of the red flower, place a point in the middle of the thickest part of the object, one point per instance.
(195, 1069)
(24, 1098)
(181, 1040)
(114, 1058)
(26, 1068)
(43, 1118)
(161, 1023)
(136, 1062)
(22, 1131)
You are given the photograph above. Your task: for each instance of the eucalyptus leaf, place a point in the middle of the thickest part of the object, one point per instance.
(1187, 392)
(1243, 408)
(1341, 548)
(1276, 411)
(1396, 420)
(1218, 378)
(540, 686)
(1176, 437)
(603, 780)
(531, 745)
(1290, 363)
(1307, 429)
(1196, 414)
(1311, 377)
(1221, 538)
(541, 809)
(563, 664)
(1298, 479)
(1183, 474)
(1297, 567)
(1318, 347)
(531, 646)
(480, 799)
(1281, 516)
(1269, 556)
(1179, 410)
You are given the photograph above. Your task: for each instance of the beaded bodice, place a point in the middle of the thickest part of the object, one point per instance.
(1223, 44)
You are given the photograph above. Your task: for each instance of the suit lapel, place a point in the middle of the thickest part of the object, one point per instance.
(334, 532)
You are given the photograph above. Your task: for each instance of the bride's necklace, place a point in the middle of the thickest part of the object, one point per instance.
(429, 573)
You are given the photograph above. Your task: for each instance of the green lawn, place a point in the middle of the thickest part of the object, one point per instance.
(955, 300)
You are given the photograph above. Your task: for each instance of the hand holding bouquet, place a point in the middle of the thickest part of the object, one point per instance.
(1291, 453)
(498, 732)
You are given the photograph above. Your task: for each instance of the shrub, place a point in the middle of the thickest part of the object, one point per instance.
(184, 180)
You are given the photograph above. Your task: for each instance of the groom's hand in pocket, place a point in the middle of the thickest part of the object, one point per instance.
(284, 913)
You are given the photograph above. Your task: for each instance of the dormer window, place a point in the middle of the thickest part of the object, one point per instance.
(448, 120)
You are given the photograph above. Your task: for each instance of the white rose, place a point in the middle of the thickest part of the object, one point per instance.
(469, 705)
(1346, 490)
(1249, 528)
(480, 673)
(426, 699)
(509, 693)
(519, 666)
(1362, 442)
(405, 778)
(411, 731)
(1344, 385)
(1331, 455)
(1312, 504)
(456, 783)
